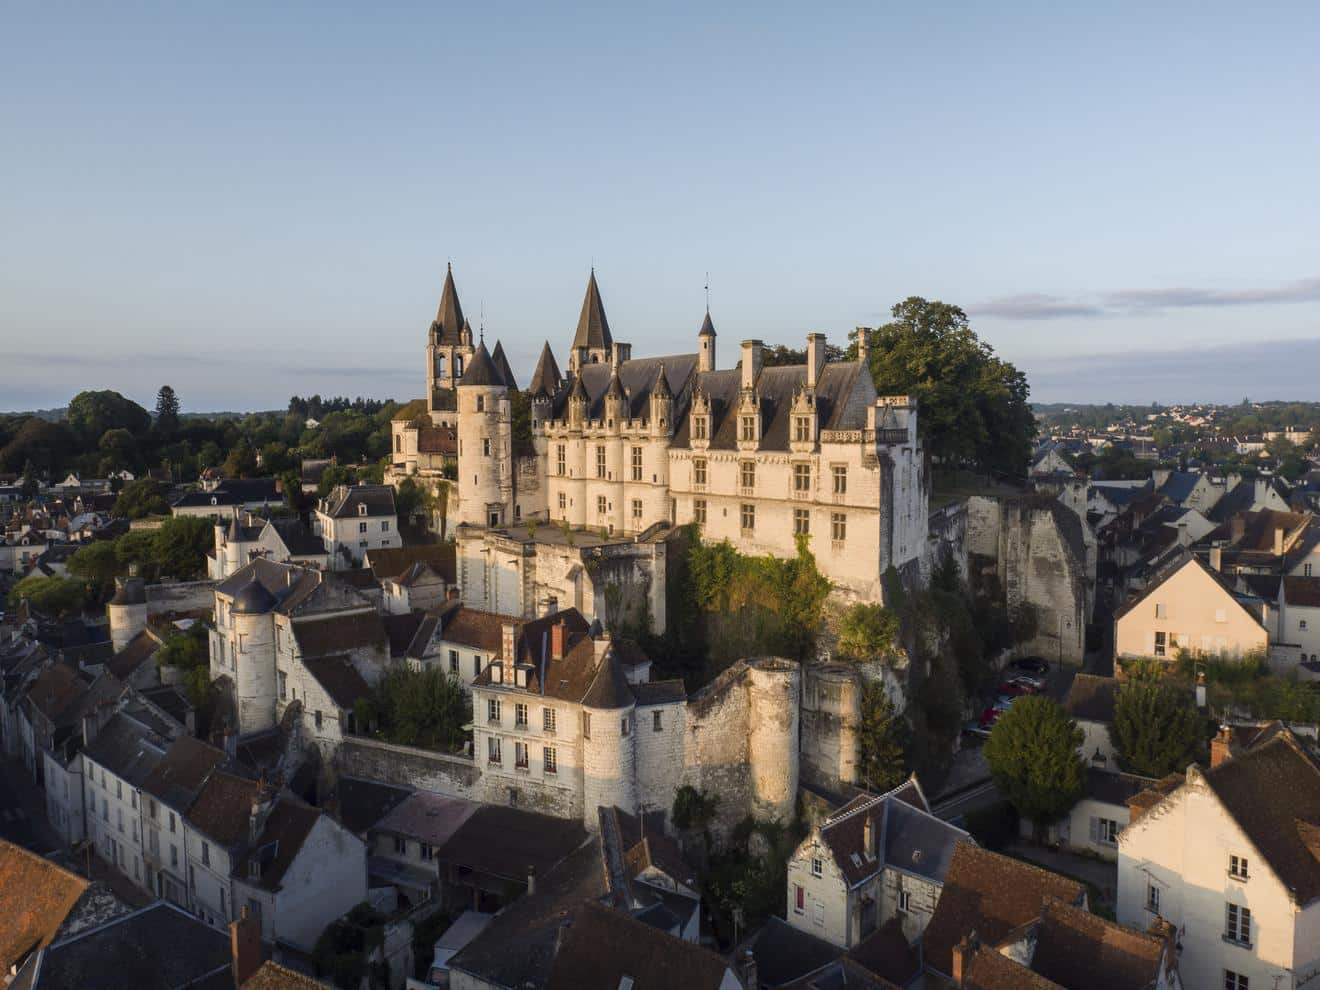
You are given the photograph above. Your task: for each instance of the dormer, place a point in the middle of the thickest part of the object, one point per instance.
(702, 420)
(748, 422)
(803, 426)
(616, 406)
(662, 406)
(362, 508)
(577, 404)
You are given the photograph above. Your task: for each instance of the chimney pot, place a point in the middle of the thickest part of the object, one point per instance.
(751, 362)
(245, 946)
(815, 358)
(1221, 747)
(864, 345)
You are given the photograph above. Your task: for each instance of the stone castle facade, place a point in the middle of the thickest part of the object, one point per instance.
(627, 447)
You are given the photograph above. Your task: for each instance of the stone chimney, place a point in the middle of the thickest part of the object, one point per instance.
(1216, 558)
(815, 358)
(507, 640)
(751, 362)
(747, 970)
(557, 633)
(245, 946)
(868, 837)
(962, 955)
(621, 353)
(864, 345)
(1221, 747)
(1278, 541)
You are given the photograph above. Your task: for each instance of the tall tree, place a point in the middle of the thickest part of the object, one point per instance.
(973, 406)
(1032, 753)
(1156, 729)
(92, 413)
(881, 738)
(167, 411)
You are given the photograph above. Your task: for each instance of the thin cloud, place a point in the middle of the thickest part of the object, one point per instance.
(1133, 302)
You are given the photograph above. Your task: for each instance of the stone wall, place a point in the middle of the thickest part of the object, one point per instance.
(407, 766)
(831, 716)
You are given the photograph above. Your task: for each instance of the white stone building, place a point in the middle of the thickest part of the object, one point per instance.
(355, 519)
(244, 538)
(1229, 857)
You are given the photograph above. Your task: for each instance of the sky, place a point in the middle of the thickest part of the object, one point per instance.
(248, 201)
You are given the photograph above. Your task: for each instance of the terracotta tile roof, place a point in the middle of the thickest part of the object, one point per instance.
(1091, 697)
(1143, 801)
(336, 633)
(140, 648)
(504, 842)
(56, 692)
(474, 627)
(991, 895)
(388, 562)
(604, 946)
(437, 440)
(38, 896)
(988, 970)
(180, 774)
(273, 976)
(281, 839)
(223, 808)
(1268, 791)
(1083, 951)
(339, 679)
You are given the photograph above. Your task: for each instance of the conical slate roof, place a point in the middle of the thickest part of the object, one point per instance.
(661, 387)
(593, 330)
(609, 689)
(579, 391)
(481, 369)
(546, 377)
(502, 365)
(615, 388)
(253, 598)
(707, 327)
(449, 317)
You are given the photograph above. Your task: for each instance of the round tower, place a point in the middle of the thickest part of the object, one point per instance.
(253, 664)
(774, 692)
(484, 455)
(706, 345)
(127, 610)
(609, 752)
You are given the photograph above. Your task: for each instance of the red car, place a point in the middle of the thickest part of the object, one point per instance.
(1015, 687)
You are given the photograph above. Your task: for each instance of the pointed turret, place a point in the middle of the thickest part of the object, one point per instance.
(449, 322)
(481, 369)
(546, 378)
(465, 335)
(706, 344)
(502, 365)
(661, 388)
(592, 343)
(707, 327)
(615, 388)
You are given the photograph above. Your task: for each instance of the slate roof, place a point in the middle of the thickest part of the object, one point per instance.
(886, 953)
(501, 363)
(38, 896)
(1082, 951)
(1303, 592)
(784, 953)
(362, 803)
(336, 633)
(178, 777)
(1273, 792)
(604, 946)
(290, 585)
(339, 679)
(1115, 788)
(1179, 485)
(427, 817)
(504, 842)
(223, 807)
(57, 693)
(282, 836)
(389, 562)
(401, 629)
(547, 377)
(297, 537)
(449, 320)
(481, 369)
(344, 500)
(593, 329)
(659, 692)
(159, 947)
(637, 377)
(991, 895)
(1091, 697)
(127, 749)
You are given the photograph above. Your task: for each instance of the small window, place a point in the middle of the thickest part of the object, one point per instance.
(586, 725)
(453, 661)
(493, 710)
(481, 403)
(520, 715)
(549, 720)
(316, 718)
(401, 845)
(563, 501)
(657, 722)
(385, 526)
(171, 821)
(1235, 981)
(637, 464)
(1237, 924)
(748, 516)
(699, 428)
(1237, 867)
(818, 914)
(602, 506)
(600, 460)
(801, 522)
(1153, 899)
(799, 898)
(1221, 615)
(817, 868)
(699, 472)
(283, 679)
(551, 760)
(1161, 610)
(206, 854)
(485, 446)
(637, 510)
(1161, 644)
(838, 527)
(748, 428)
(905, 901)
(699, 511)
(520, 756)
(493, 749)
(802, 429)
(561, 463)
(625, 726)
(747, 474)
(801, 477)
(840, 479)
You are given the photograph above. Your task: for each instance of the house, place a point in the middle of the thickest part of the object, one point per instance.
(1050, 461)
(1189, 606)
(1100, 814)
(1299, 619)
(990, 895)
(1090, 704)
(168, 792)
(221, 499)
(879, 857)
(158, 947)
(1228, 855)
(355, 519)
(418, 588)
(44, 903)
(402, 844)
(1068, 948)
(244, 537)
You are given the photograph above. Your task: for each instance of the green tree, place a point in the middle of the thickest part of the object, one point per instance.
(90, 414)
(1156, 728)
(141, 498)
(868, 632)
(179, 547)
(1032, 754)
(30, 486)
(55, 596)
(209, 455)
(120, 449)
(974, 406)
(882, 740)
(422, 708)
(97, 565)
(334, 474)
(167, 411)
(241, 462)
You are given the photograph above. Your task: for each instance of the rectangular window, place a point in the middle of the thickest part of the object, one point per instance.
(206, 854)
(801, 428)
(748, 515)
(563, 501)
(838, 527)
(1221, 615)
(600, 460)
(905, 900)
(699, 472)
(817, 867)
(401, 845)
(174, 857)
(625, 726)
(799, 898)
(485, 446)
(426, 851)
(119, 790)
(1161, 640)
(481, 403)
(818, 914)
(362, 527)
(551, 760)
(699, 428)
(699, 511)
(801, 477)
(657, 722)
(492, 710)
(385, 526)
(283, 679)
(1161, 610)
(493, 749)
(747, 474)
(476, 664)
(561, 460)
(520, 715)
(1235, 981)
(1104, 831)
(1237, 867)
(840, 479)
(637, 464)
(1237, 924)
(171, 821)
(316, 718)
(801, 521)
(549, 720)
(586, 725)
(637, 510)
(520, 756)
(453, 661)
(602, 506)
(748, 428)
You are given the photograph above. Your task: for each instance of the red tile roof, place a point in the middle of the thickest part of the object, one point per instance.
(38, 896)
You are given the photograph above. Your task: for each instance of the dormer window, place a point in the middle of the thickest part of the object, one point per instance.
(699, 428)
(362, 508)
(802, 429)
(748, 428)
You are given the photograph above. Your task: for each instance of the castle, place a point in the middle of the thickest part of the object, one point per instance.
(627, 448)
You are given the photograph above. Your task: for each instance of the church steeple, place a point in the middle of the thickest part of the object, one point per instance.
(449, 322)
(592, 343)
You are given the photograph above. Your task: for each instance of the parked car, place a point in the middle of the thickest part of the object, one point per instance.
(1018, 686)
(1032, 665)
(989, 715)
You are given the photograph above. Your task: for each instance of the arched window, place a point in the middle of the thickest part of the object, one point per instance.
(458, 366)
(440, 365)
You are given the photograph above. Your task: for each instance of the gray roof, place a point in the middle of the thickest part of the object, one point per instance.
(297, 537)
(343, 502)
(546, 377)
(593, 329)
(1179, 485)
(126, 748)
(918, 842)
(501, 364)
(449, 317)
(289, 584)
(638, 378)
(481, 370)
(253, 598)
(157, 948)
(427, 817)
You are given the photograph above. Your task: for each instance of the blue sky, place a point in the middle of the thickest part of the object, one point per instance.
(248, 201)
